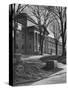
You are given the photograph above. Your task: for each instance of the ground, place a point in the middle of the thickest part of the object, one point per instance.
(28, 70)
(56, 78)
(61, 78)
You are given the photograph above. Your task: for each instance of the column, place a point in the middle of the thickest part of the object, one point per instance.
(34, 42)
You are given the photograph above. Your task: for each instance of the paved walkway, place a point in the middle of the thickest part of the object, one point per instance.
(56, 78)
(52, 80)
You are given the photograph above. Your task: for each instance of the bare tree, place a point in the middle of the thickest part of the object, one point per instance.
(15, 10)
(55, 32)
(40, 12)
(60, 13)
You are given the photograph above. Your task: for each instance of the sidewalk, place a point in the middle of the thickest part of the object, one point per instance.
(56, 78)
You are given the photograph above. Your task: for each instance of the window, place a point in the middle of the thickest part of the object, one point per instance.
(16, 46)
(22, 46)
(30, 36)
(23, 35)
(30, 46)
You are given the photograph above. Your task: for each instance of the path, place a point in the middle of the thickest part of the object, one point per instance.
(59, 77)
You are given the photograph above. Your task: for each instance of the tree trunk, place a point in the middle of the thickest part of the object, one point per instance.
(63, 47)
(41, 40)
(56, 47)
(62, 35)
(41, 45)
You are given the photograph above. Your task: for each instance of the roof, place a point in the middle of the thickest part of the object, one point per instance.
(32, 28)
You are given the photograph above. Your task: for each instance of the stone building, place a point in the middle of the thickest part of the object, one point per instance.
(50, 46)
(27, 37)
(28, 42)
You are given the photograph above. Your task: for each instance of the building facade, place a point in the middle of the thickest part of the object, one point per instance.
(28, 38)
(51, 46)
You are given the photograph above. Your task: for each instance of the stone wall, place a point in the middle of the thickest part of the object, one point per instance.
(49, 46)
(29, 42)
